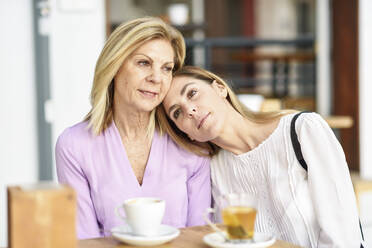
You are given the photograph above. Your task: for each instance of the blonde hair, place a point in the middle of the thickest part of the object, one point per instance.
(120, 45)
(208, 148)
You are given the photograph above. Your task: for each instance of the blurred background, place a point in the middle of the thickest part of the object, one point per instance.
(301, 54)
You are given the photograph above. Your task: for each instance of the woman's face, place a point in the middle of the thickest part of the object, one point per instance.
(198, 108)
(145, 76)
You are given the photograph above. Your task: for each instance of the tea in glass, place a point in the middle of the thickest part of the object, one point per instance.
(239, 221)
(238, 212)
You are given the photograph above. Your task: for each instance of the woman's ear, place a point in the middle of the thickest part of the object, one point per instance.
(220, 88)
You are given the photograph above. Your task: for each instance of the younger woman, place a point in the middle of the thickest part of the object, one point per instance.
(253, 153)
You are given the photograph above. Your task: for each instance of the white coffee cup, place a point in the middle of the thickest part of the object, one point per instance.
(144, 215)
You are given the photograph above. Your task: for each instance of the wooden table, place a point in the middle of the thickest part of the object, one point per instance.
(191, 237)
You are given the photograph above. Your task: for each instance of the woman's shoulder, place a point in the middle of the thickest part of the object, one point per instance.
(305, 118)
(78, 130)
(79, 133)
(308, 124)
(311, 120)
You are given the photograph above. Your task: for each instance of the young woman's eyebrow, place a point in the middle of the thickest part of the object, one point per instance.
(184, 88)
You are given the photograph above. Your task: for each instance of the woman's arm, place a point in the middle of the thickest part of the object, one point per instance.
(199, 193)
(69, 172)
(329, 183)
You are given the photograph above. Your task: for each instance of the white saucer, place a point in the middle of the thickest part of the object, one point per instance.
(260, 240)
(124, 233)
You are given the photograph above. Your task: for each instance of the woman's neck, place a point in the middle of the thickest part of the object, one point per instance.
(240, 135)
(131, 124)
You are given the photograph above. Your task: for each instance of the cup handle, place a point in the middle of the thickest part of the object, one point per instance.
(118, 214)
(209, 222)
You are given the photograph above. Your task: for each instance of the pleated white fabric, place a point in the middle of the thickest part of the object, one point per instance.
(311, 209)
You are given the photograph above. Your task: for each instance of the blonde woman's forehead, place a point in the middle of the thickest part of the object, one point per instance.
(158, 49)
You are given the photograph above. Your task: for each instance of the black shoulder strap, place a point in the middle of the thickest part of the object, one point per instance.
(297, 149)
(295, 143)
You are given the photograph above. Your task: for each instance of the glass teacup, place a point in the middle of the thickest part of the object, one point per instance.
(238, 213)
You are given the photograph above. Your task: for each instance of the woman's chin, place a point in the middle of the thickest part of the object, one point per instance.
(205, 139)
(147, 107)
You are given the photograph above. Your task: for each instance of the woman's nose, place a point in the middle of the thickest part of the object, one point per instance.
(191, 111)
(155, 76)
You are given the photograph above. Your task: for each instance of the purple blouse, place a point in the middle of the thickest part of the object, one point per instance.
(98, 168)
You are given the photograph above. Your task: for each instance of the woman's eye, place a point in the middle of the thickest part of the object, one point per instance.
(191, 93)
(143, 62)
(176, 113)
(168, 68)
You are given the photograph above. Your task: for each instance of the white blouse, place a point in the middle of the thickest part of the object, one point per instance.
(311, 209)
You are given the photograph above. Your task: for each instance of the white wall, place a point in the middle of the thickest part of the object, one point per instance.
(77, 36)
(18, 143)
(323, 57)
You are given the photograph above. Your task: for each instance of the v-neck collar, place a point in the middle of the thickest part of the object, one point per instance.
(125, 160)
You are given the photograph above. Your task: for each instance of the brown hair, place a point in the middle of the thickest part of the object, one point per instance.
(208, 148)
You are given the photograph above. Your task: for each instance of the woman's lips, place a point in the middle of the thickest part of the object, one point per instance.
(203, 120)
(149, 94)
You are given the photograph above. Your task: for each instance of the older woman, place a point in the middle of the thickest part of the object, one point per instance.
(253, 153)
(118, 151)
